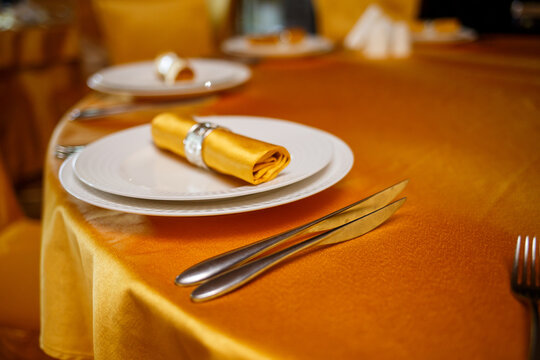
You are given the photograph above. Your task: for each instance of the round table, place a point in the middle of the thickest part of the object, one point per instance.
(459, 121)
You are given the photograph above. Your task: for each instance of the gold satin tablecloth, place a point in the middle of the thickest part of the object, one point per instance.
(460, 121)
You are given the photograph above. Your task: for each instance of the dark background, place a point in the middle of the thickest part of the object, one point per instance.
(493, 16)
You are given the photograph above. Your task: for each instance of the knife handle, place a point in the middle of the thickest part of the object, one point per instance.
(239, 276)
(211, 267)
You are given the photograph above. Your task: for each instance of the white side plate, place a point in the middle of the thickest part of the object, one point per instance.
(140, 79)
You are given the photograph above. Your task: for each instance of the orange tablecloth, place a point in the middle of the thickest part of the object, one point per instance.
(460, 121)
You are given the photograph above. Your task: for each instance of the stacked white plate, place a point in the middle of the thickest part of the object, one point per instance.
(311, 45)
(125, 171)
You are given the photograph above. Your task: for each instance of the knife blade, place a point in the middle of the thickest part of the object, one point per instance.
(212, 267)
(239, 276)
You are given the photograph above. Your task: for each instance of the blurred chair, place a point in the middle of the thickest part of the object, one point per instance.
(223, 17)
(39, 80)
(135, 30)
(20, 241)
(336, 18)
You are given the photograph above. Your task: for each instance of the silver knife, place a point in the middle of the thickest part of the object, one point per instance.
(216, 265)
(241, 275)
(90, 113)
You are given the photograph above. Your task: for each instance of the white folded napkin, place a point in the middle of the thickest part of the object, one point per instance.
(378, 36)
(378, 41)
(400, 46)
(357, 37)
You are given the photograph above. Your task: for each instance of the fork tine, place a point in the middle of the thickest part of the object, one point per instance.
(533, 264)
(528, 292)
(525, 261)
(516, 262)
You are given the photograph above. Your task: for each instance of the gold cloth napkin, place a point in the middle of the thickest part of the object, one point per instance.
(249, 159)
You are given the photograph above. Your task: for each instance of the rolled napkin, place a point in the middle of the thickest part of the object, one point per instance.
(293, 35)
(446, 25)
(222, 150)
(264, 39)
(436, 26)
(171, 68)
(287, 36)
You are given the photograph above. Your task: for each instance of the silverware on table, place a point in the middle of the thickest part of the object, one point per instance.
(94, 112)
(64, 151)
(237, 277)
(216, 265)
(229, 271)
(525, 283)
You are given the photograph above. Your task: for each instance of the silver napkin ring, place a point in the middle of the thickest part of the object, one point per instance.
(193, 142)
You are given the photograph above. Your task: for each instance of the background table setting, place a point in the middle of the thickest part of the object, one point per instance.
(138, 79)
(310, 45)
(122, 220)
(374, 164)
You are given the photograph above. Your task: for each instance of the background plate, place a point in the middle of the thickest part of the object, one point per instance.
(312, 45)
(140, 79)
(463, 35)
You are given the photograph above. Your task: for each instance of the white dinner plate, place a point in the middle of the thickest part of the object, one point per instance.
(128, 163)
(464, 34)
(311, 45)
(140, 79)
(337, 168)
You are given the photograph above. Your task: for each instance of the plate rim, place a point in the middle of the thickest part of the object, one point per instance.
(244, 190)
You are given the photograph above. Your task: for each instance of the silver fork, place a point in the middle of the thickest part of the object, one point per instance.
(525, 284)
(64, 151)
